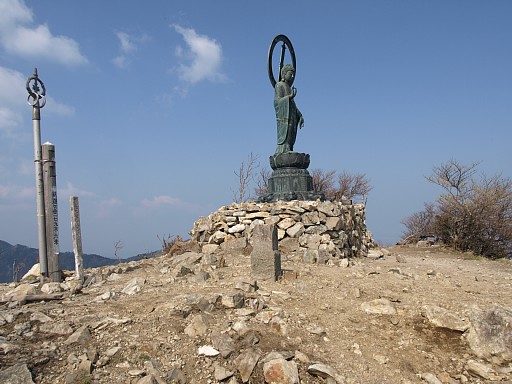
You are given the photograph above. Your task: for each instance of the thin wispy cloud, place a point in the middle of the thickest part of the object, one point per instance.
(201, 58)
(71, 190)
(159, 201)
(16, 192)
(128, 44)
(19, 36)
(12, 103)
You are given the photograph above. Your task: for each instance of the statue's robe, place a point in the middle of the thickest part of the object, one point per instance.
(288, 117)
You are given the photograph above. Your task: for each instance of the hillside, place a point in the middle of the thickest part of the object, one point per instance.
(21, 258)
(415, 315)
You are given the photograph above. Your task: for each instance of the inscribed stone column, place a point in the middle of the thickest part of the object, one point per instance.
(265, 256)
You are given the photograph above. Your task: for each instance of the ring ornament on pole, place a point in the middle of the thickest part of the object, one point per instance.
(286, 43)
(36, 91)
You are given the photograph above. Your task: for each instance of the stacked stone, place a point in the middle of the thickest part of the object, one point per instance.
(318, 229)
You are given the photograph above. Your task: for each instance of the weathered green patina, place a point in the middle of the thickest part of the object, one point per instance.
(288, 115)
(290, 179)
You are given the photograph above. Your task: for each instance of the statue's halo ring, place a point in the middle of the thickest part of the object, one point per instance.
(286, 41)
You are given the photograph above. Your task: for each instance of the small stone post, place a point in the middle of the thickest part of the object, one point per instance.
(77, 237)
(51, 212)
(265, 256)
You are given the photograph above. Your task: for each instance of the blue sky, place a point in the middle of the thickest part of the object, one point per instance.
(153, 105)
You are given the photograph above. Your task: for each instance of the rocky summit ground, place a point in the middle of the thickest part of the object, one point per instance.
(410, 316)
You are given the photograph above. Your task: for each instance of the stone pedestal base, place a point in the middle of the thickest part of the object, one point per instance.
(290, 179)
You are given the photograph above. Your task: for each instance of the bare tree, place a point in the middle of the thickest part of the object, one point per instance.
(169, 242)
(474, 213)
(323, 181)
(419, 224)
(262, 177)
(353, 185)
(118, 245)
(16, 269)
(245, 174)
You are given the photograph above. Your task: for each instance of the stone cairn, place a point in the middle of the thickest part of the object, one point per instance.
(315, 230)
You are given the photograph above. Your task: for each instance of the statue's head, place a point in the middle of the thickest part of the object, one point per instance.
(287, 68)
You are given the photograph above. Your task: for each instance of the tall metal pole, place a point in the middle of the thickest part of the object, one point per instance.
(37, 99)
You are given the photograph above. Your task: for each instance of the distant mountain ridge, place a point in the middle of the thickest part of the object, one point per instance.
(16, 260)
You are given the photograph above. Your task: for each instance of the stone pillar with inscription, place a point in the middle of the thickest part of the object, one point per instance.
(51, 212)
(265, 256)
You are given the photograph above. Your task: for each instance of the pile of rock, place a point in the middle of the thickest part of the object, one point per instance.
(317, 230)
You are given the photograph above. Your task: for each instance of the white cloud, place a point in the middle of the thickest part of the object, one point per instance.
(18, 36)
(16, 192)
(201, 60)
(128, 45)
(105, 207)
(71, 190)
(13, 104)
(159, 201)
(55, 108)
(121, 61)
(126, 41)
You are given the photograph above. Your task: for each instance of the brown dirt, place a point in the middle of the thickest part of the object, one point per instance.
(363, 348)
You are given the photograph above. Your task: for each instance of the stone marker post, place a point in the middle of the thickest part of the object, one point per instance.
(265, 256)
(77, 237)
(51, 212)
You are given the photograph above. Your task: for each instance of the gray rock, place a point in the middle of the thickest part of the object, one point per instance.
(149, 379)
(197, 327)
(176, 376)
(7, 317)
(17, 374)
(325, 371)
(379, 306)
(223, 343)
(209, 248)
(476, 368)
(316, 229)
(59, 328)
(235, 247)
(80, 336)
(20, 292)
(490, 334)
(220, 373)
(22, 328)
(289, 245)
(134, 286)
(51, 288)
(200, 277)
(443, 318)
(235, 300)
(280, 371)
(207, 350)
(375, 254)
(430, 378)
(246, 285)
(245, 363)
(295, 230)
(38, 316)
(310, 256)
(237, 228)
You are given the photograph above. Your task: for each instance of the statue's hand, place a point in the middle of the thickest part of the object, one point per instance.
(301, 122)
(294, 92)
